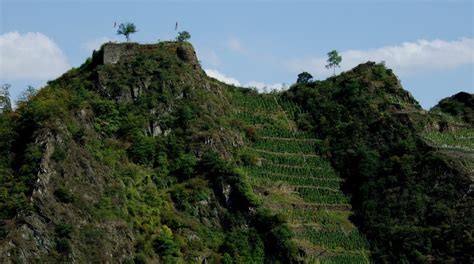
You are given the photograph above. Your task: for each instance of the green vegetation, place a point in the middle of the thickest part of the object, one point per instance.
(183, 36)
(150, 161)
(460, 106)
(406, 196)
(116, 156)
(334, 59)
(282, 164)
(462, 138)
(126, 29)
(304, 77)
(5, 101)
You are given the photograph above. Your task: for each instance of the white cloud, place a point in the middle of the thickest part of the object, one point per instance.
(95, 44)
(406, 58)
(264, 87)
(260, 86)
(32, 56)
(221, 77)
(235, 45)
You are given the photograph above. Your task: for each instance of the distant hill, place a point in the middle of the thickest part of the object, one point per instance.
(137, 156)
(460, 105)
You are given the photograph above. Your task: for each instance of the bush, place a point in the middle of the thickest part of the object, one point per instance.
(277, 236)
(140, 258)
(221, 173)
(184, 166)
(106, 117)
(63, 195)
(63, 246)
(243, 246)
(59, 154)
(248, 158)
(63, 230)
(143, 149)
(166, 247)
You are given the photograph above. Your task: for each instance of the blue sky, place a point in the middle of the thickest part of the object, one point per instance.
(429, 44)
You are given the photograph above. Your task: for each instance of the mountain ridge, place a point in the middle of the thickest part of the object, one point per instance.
(137, 156)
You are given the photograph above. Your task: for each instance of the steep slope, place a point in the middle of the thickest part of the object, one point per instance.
(113, 162)
(453, 134)
(413, 202)
(283, 168)
(138, 157)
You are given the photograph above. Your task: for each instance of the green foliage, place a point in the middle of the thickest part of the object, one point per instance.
(184, 115)
(293, 180)
(14, 187)
(137, 163)
(460, 106)
(186, 196)
(64, 195)
(220, 173)
(243, 246)
(143, 149)
(27, 94)
(63, 235)
(341, 239)
(63, 246)
(106, 117)
(59, 154)
(334, 59)
(183, 36)
(227, 259)
(461, 138)
(247, 157)
(279, 247)
(304, 77)
(126, 29)
(5, 100)
(7, 136)
(166, 247)
(140, 258)
(184, 166)
(388, 170)
(63, 230)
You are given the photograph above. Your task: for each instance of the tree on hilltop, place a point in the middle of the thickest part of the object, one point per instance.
(5, 102)
(333, 60)
(304, 77)
(183, 36)
(27, 94)
(126, 29)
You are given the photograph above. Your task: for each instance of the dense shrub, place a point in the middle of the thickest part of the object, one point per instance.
(64, 195)
(106, 117)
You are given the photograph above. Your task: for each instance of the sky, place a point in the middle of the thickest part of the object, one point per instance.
(262, 43)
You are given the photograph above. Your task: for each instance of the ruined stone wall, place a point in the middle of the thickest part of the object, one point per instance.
(113, 52)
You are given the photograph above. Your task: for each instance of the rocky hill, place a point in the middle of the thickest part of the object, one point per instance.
(138, 157)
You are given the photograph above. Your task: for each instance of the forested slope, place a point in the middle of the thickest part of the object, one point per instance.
(148, 160)
(412, 201)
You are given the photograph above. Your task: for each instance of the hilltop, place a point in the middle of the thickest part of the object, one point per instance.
(138, 157)
(460, 106)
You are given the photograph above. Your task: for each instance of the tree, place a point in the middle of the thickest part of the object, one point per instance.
(126, 29)
(333, 60)
(183, 36)
(5, 102)
(304, 77)
(28, 94)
